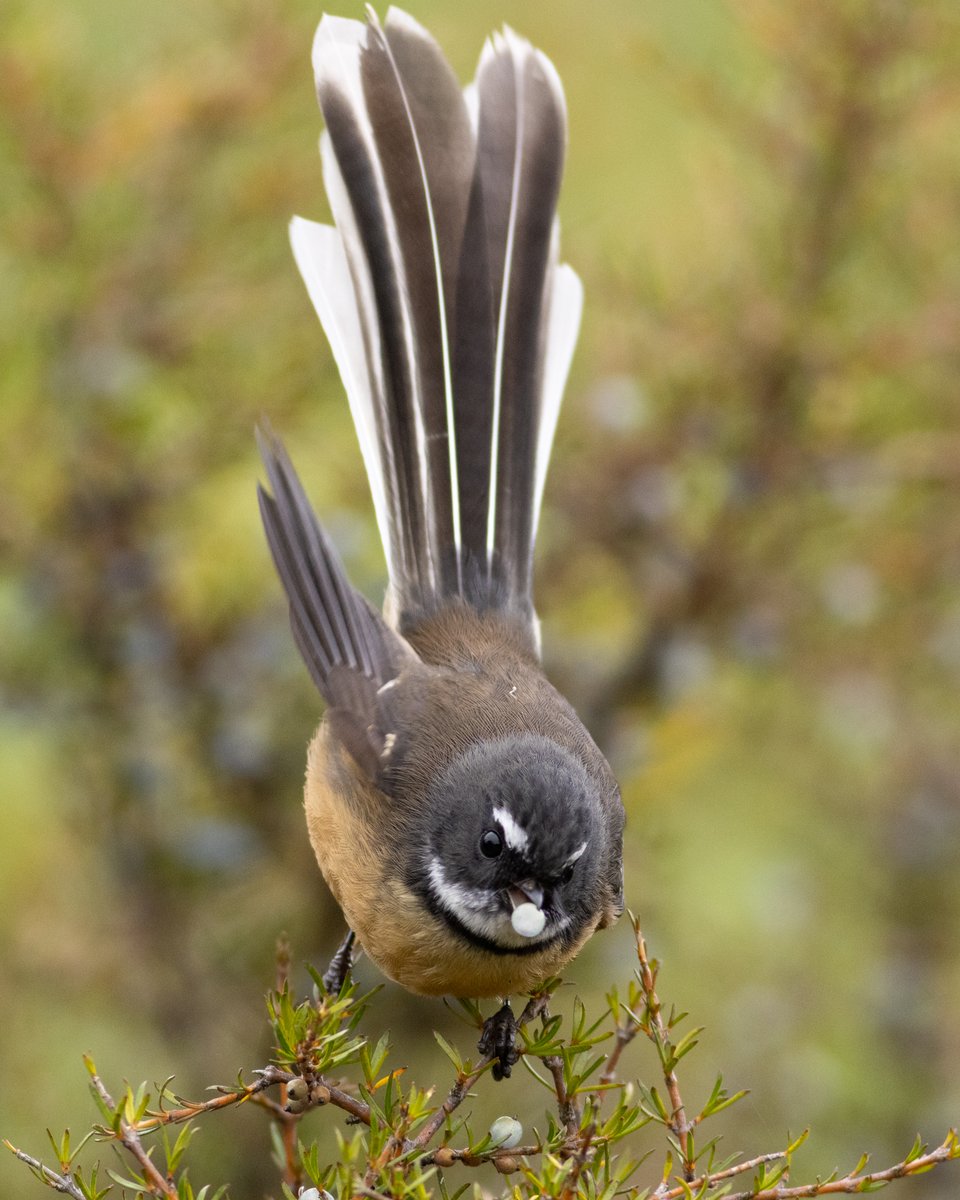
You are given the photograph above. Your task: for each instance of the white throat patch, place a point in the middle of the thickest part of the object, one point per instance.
(479, 910)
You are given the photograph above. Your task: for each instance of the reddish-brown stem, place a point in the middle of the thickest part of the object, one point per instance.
(655, 1028)
(188, 1109)
(455, 1098)
(718, 1176)
(579, 1155)
(128, 1136)
(625, 1035)
(292, 1171)
(949, 1149)
(567, 1107)
(323, 1093)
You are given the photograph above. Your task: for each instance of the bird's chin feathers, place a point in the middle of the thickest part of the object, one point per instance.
(482, 914)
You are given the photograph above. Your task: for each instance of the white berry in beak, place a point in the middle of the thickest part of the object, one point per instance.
(528, 920)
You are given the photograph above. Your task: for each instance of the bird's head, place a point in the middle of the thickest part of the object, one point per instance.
(512, 846)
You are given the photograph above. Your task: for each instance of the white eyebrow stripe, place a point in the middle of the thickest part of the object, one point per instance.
(516, 835)
(575, 855)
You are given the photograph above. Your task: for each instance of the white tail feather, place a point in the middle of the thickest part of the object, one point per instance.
(336, 53)
(566, 307)
(337, 47)
(322, 261)
(359, 270)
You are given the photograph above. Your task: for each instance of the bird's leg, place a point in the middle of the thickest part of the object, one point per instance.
(499, 1041)
(336, 973)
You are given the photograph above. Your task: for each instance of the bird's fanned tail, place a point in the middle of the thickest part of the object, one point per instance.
(450, 321)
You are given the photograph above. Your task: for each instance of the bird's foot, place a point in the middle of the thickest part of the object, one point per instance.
(499, 1041)
(336, 974)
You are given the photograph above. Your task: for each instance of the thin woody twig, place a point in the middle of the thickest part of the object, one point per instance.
(128, 1136)
(625, 1035)
(329, 1093)
(292, 1171)
(718, 1176)
(274, 1107)
(59, 1183)
(579, 1155)
(323, 1093)
(654, 1027)
(189, 1109)
(535, 1006)
(947, 1150)
(569, 1110)
(455, 1097)
(446, 1156)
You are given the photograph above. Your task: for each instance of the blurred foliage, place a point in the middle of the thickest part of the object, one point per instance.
(749, 569)
(406, 1137)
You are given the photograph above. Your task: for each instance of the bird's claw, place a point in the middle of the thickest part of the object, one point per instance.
(336, 974)
(499, 1041)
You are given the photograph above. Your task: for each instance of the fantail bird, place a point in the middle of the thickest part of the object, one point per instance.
(462, 816)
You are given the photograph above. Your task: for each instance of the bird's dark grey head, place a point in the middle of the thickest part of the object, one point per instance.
(512, 845)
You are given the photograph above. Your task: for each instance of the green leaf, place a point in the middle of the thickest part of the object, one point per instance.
(61, 1148)
(797, 1142)
(653, 1106)
(135, 1184)
(719, 1099)
(176, 1153)
(916, 1150)
(89, 1187)
(278, 1151)
(449, 1051)
(469, 1011)
(685, 1045)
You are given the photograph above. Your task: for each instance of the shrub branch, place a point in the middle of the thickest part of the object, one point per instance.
(403, 1139)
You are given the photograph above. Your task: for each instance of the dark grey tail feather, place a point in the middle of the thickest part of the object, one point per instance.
(521, 143)
(395, 412)
(448, 236)
(424, 143)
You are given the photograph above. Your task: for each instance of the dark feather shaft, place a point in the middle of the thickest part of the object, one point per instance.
(520, 124)
(424, 145)
(399, 413)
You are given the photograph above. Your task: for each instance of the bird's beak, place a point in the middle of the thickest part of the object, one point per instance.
(527, 891)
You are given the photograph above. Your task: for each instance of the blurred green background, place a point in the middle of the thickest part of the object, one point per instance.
(749, 564)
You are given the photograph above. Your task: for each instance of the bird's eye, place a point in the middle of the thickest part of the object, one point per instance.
(566, 874)
(490, 843)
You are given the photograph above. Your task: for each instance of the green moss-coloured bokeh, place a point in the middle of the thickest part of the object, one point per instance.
(749, 571)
